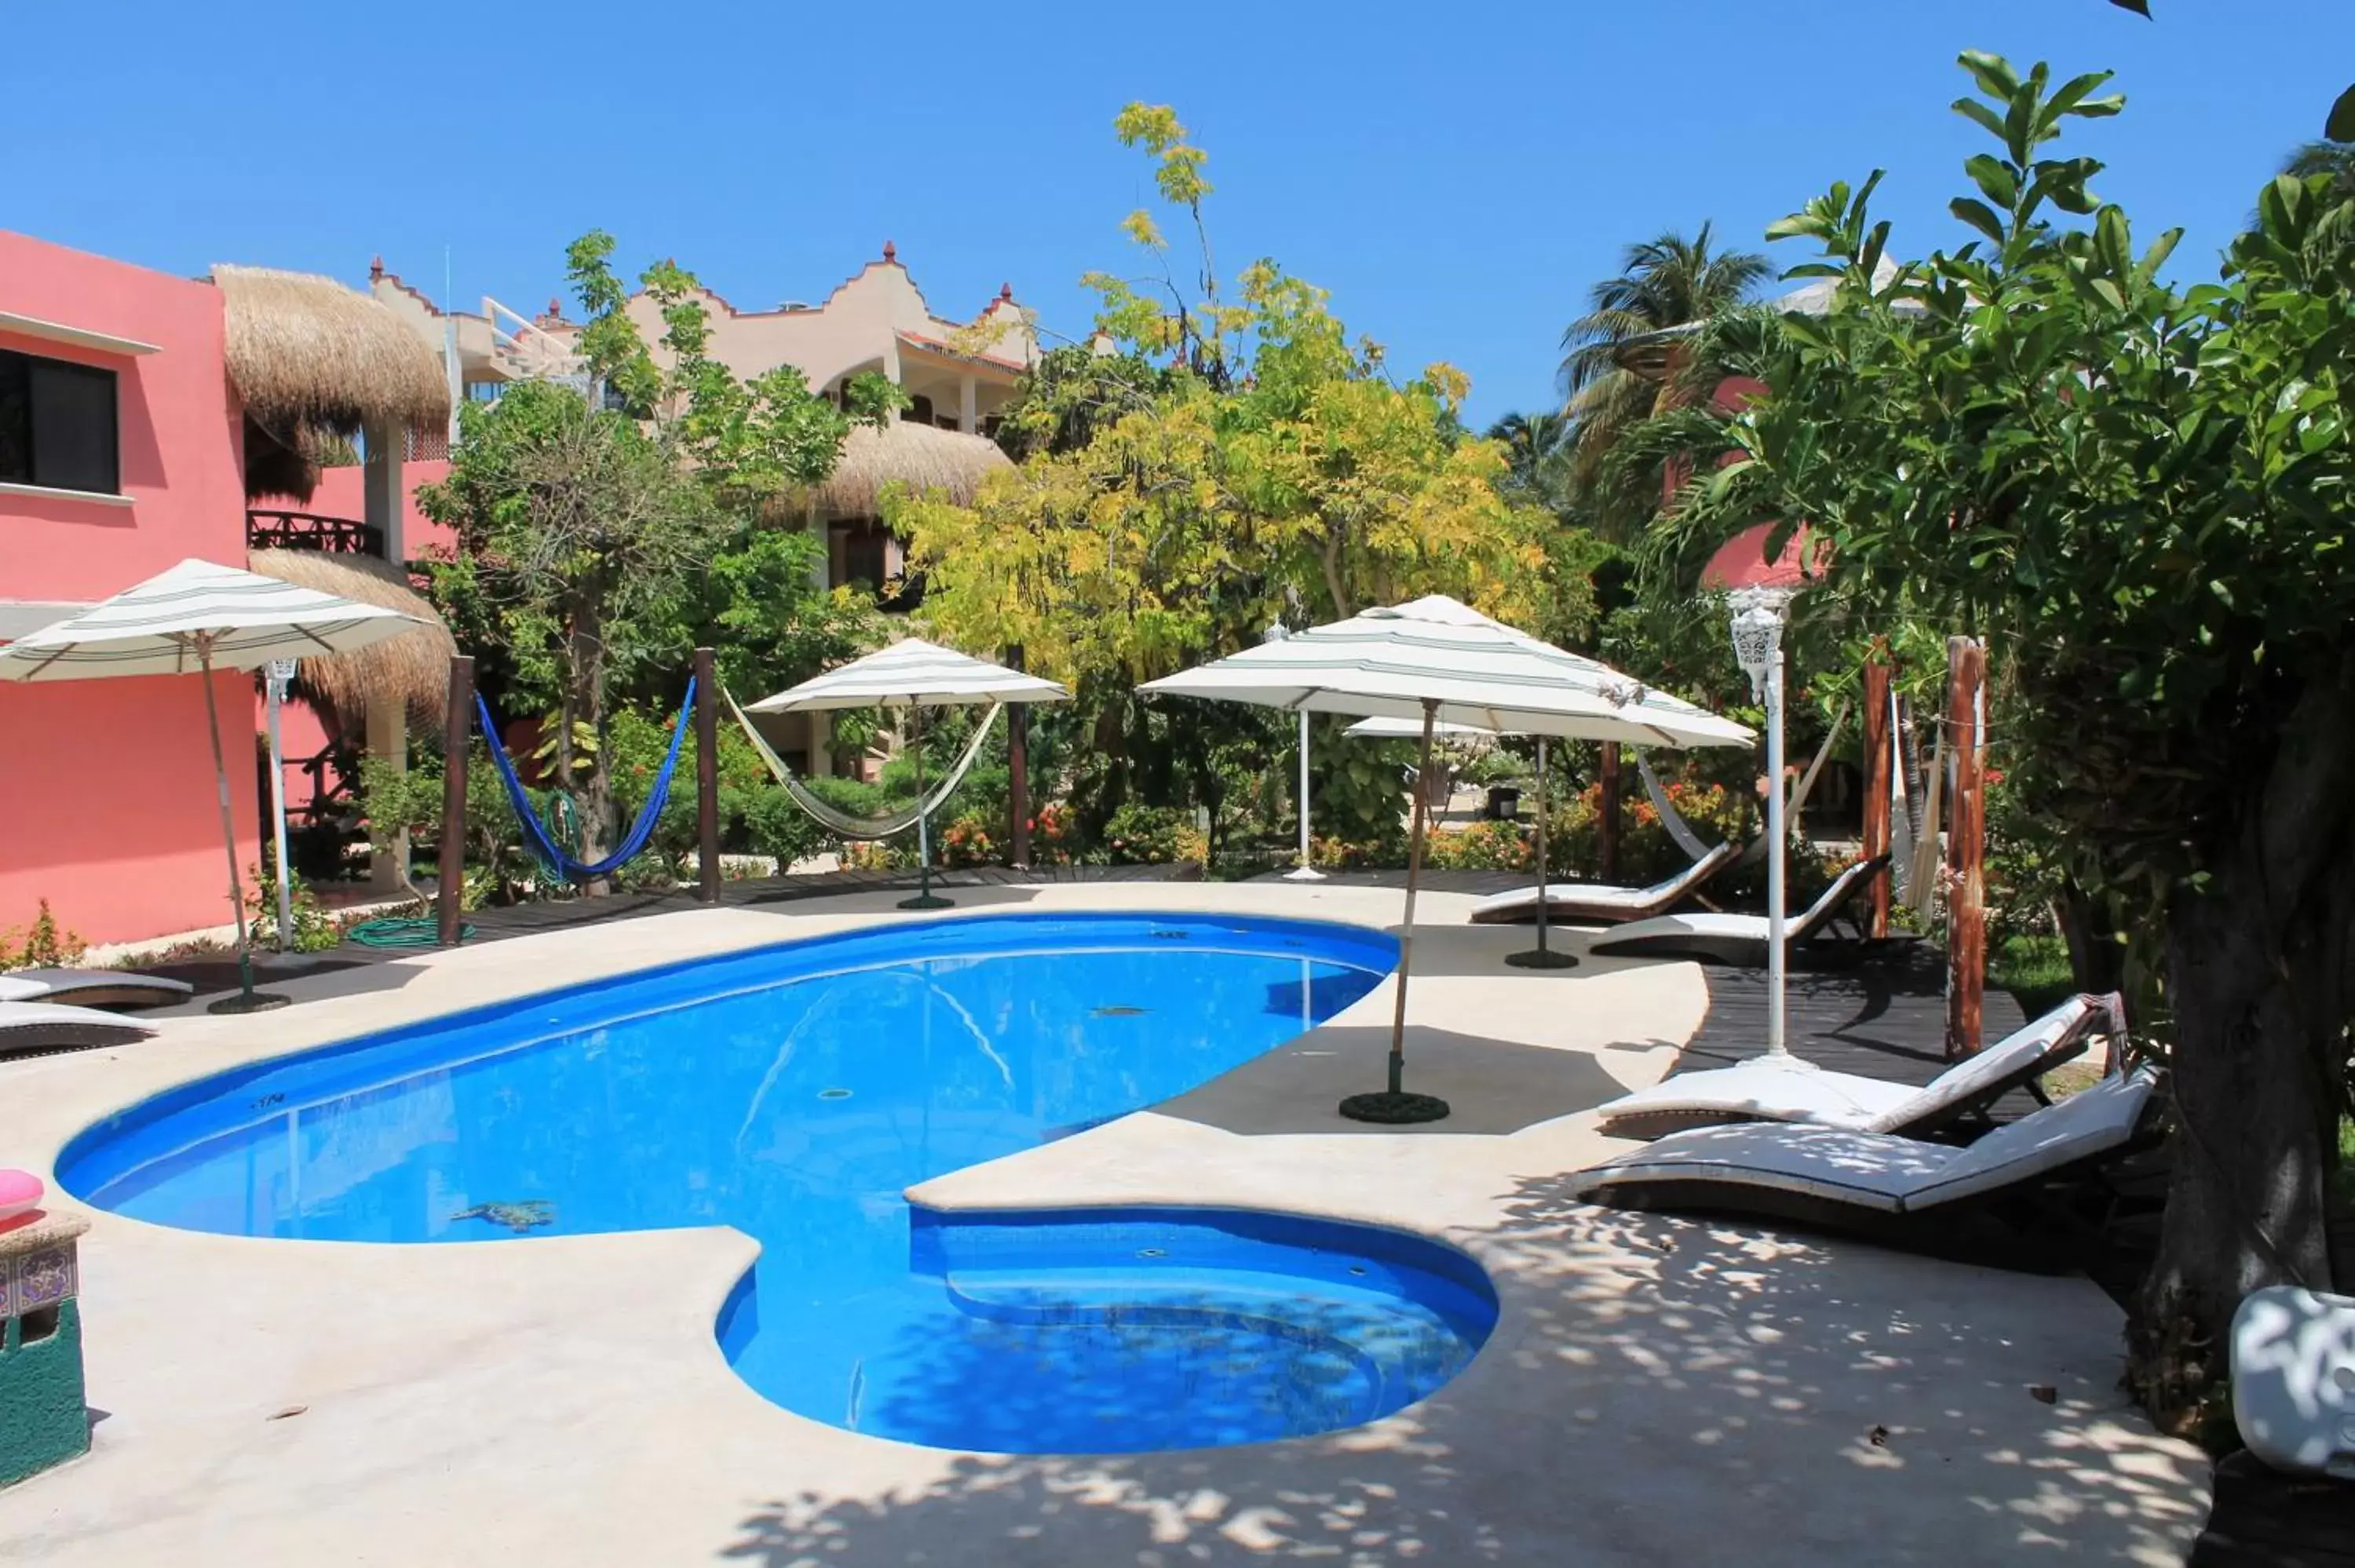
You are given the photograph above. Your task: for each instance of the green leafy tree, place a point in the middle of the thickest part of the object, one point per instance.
(2138, 495)
(602, 538)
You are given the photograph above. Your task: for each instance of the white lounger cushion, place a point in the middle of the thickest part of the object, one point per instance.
(1718, 933)
(64, 985)
(1877, 1171)
(1604, 895)
(22, 1020)
(2294, 1380)
(1786, 1089)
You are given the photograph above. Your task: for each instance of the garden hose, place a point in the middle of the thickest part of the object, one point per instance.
(402, 932)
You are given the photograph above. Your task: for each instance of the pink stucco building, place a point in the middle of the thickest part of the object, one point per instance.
(126, 434)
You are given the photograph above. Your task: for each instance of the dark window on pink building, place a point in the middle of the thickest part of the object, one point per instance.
(58, 425)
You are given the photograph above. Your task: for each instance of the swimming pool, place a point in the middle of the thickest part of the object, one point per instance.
(795, 1092)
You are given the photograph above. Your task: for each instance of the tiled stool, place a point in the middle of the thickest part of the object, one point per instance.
(42, 1421)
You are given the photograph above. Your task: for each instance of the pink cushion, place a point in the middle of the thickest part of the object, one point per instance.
(20, 1190)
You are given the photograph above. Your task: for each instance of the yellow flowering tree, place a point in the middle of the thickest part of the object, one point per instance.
(1263, 467)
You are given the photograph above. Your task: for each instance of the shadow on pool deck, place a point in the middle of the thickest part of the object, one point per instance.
(1492, 1087)
(1660, 1392)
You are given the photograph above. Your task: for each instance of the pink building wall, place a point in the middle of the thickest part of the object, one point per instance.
(106, 801)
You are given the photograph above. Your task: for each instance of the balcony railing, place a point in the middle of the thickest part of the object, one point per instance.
(309, 531)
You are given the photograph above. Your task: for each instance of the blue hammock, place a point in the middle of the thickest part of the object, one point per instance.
(552, 854)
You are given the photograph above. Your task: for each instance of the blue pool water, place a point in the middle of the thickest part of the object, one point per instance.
(795, 1093)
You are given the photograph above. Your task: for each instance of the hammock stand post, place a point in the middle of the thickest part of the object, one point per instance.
(1878, 756)
(707, 777)
(450, 890)
(925, 897)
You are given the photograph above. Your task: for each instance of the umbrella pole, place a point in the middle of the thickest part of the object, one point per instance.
(924, 898)
(1541, 957)
(246, 998)
(1394, 1104)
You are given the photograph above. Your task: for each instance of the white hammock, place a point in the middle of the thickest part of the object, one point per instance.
(1682, 830)
(864, 828)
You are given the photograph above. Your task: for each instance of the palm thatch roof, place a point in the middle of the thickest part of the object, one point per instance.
(923, 457)
(412, 669)
(307, 354)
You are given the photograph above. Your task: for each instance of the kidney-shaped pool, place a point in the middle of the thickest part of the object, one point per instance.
(794, 1091)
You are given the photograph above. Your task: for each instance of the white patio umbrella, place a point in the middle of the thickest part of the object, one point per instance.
(914, 673)
(1438, 661)
(1543, 956)
(197, 618)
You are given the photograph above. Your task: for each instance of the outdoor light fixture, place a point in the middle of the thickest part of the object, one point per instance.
(1758, 646)
(279, 676)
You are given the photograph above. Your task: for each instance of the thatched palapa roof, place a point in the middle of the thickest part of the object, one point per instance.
(923, 457)
(307, 354)
(412, 669)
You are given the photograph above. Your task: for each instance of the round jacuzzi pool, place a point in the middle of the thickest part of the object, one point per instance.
(795, 1092)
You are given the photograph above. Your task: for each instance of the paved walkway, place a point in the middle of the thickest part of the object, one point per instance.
(1656, 1391)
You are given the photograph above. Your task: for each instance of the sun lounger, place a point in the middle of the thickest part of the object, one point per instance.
(1825, 1174)
(92, 988)
(1738, 940)
(2294, 1380)
(50, 1026)
(1598, 903)
(1788, 1089)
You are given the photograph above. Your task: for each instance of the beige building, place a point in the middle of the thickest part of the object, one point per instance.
(960, 375)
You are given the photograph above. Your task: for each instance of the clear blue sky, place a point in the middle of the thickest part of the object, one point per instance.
(1457, 175)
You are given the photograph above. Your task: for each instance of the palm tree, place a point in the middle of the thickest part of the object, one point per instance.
(2336, 159)
(1663, 282)
(1536, 445)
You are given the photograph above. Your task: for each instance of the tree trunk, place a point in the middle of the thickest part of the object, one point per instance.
(586, 698)
(2257, 973)
(2096, 957)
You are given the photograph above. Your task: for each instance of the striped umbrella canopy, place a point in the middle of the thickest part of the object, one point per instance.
(194, 619)
(1436, 660)
(1398, 661)
(911, 672)
(914, 673)
(198, 615)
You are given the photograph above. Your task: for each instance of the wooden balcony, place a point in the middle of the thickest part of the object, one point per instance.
(309, 531)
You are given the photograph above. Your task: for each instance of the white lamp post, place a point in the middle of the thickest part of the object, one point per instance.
(280, 674)
(1304, 872)
(1758, 645)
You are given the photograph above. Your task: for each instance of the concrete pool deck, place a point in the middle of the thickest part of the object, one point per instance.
(1656, 1391)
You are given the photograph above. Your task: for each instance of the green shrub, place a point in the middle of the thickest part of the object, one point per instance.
(1152, 836)
(1483, 846)
(316, 930)
(44, 944)
(968, 841)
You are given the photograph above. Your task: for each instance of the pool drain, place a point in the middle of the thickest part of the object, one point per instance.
(1151, 1252)
(834, 1094)
(1120, 1012)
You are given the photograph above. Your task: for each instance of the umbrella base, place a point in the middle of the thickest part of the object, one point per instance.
(249, 1002)
(927, 901)
(1395, 1109)
(1543, 958)
(1304, 873)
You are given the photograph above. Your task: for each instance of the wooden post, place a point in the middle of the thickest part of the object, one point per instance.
(707, 776)
(457, 735)
(1878, 754)
(1965, 846)
(1018, 775)
(1607, 835)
